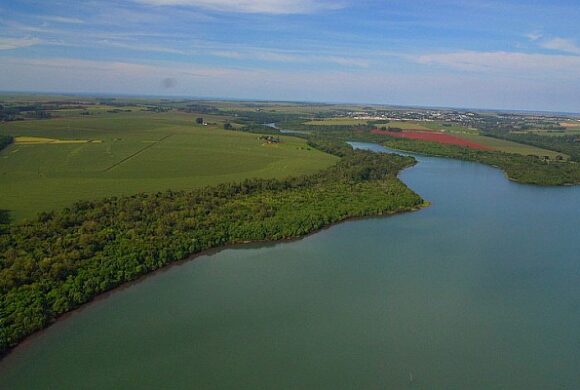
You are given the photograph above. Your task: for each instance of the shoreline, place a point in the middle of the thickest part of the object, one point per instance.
(25, 343)
(513, 180)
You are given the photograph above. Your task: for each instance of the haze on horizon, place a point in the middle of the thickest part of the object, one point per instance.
(472, 53)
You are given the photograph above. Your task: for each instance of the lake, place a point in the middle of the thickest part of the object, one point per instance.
(480, 290)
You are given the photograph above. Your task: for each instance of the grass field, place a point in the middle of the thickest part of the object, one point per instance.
(137, 152)
(449, 128)
(52, 141)
(571, 125)
(337, 122)
(405, 125)
(511, 147)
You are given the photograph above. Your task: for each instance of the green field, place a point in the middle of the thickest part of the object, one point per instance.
(135, 152)
(511, 147)
(337, 122)
(406, 125)
(451, 128)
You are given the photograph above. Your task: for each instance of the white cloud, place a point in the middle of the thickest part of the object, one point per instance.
(62, 19)
(561, 44)
(15, 43)
(518, 64)
(534, 36)
(282, 56)
(131, 45)
(254, 6)
(227, 54)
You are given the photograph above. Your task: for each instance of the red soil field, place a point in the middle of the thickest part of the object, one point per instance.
(432, 136)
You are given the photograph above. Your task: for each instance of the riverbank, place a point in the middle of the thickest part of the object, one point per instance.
(517, 168)
(95, 247)
(441, 293)
(178, 263)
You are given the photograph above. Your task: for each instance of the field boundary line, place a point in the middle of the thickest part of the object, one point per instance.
(136, 153)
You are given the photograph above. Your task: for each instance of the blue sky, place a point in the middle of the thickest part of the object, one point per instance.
(472, 53)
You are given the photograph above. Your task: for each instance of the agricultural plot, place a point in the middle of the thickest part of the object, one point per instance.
(512, 147)
(575, 125)
(407, 125)
(337, 122)
(59, 161)
(449, 128)
(433, 136)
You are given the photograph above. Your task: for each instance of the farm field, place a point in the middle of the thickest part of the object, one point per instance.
(568, 131)
(571, 125)
(337, 122)
(406, 125)
(60, 161)
(471, 138)
(449, 128)
(433, 136)
(510, 146)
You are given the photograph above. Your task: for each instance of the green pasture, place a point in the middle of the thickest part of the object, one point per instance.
(568, 131)
(136, 152)
(405, 125)
(337, 122)
(511, 147)
(97, 109)
(451, 128)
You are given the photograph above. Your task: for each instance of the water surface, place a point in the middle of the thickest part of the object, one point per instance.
(481, 290)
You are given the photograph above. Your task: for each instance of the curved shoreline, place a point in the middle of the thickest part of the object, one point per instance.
(504, 171)
(25, 343)
(363, 214)
(234, 245)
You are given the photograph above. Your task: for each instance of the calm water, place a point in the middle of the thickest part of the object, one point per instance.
(481, 290)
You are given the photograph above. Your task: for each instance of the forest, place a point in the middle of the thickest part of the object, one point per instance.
(63, 259)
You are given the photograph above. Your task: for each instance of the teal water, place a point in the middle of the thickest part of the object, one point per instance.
(481, 290)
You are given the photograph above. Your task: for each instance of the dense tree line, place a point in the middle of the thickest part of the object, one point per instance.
(5, 140)
(63, 259)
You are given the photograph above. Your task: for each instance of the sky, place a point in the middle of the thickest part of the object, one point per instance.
(495, 54)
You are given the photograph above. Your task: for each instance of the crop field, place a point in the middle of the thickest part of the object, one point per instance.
(449, 128)
(433, 136)
(92, 110)
(571, 125)
(511, 147)
(405, 125)
(337, 122)
(58, 161)
(476, 141)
